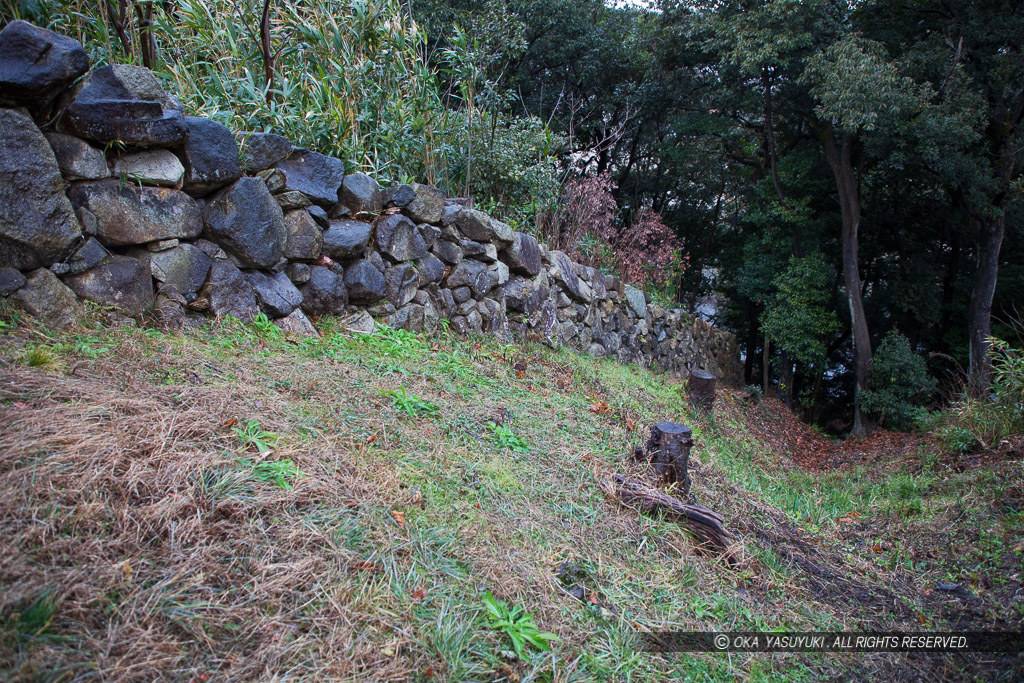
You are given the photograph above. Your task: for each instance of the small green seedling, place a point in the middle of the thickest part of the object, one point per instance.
(503, 437)
(413, 406)
(280, 473)
(253, 436)
(518, 625)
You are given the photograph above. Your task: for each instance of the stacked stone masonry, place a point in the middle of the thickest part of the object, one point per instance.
(110, 193)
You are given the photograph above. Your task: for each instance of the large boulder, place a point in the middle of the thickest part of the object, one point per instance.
(36, 65)
(430, 270)
(325, 292)
(523, 255)
(184, 267)
(402, 282)
(477, 225)
(229, 293)
(636, 299)
(125, 103)
(399, 240)
(260, 151)
(47, 298)
(305, 238)
(119, 281)
(315, 175)
(78, 160)
(426, 205)
(37, 223)
(248, 223)
(472, 274)
(128, 214)
(275, 291)
(563, 271)
(365, 284)
(346, 240)
(158, 167)
(361, 194)
(210, 155)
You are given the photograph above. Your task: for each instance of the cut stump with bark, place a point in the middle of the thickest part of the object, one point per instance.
(668, 451)
(707, 525)
(702, 389)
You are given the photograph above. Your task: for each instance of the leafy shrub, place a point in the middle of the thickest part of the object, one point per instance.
(899, 383)
(517, 624)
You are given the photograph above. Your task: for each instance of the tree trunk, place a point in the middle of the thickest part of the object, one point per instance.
(702, 390)
(668, 451)
(989, 239)
(840, 160)
(766, 367)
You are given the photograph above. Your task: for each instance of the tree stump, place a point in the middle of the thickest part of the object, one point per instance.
(702, 389)
(668, 450)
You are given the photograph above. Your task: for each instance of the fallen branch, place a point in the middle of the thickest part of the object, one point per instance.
(707, 525)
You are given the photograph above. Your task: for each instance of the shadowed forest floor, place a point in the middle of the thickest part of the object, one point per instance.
(229, 504)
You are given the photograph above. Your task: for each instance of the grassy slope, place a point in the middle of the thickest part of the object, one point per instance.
(143, 534)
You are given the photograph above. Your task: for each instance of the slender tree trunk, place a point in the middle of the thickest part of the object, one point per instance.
(840, 160)
(267, 52)
(989, 239)
(766, 365)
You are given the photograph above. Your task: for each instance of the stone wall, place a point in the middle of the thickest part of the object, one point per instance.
(110, 193)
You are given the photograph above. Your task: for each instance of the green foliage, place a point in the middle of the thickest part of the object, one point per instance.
(413, 406)
(39, 356)
(799, 317)
(252, 436)
(265, 327)
(517, 624)
(899, 383)
(280, 473)
(35, 619)
(504, 437)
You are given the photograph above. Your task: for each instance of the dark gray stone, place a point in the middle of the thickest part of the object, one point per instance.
(409, 318)
(449, 252)
(37, 222)
(563, 271)
(292, 200)
(128, 214)
(36, 65)
(11, 280)
(125, 103)
(477, 225)
(184, 267)
(78, 160)
(431, 270)
(519, 294)
(248, 223)
(275, 292)
(399, 240)
(119, 281)
(158, 167)
(87, 256)
(636, 300)
(427, 204)
(210, 156)
(346, 240)
(365, 284)
(361, 194)
(260, 151)
(229, 293)
(305, 238)
(472, 274)
(402, 282)
(325, 292)
(47, 298)
(297, 273)
(315, 175)
(430, 234)
(399, 195)
(462, 294)
(274, 180)
(320, 216)
(523, 255)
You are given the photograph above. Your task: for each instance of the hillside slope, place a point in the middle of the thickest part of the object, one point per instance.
(230, 504)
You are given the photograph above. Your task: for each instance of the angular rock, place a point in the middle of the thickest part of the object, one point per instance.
(47, 298)
(292, 200)
(296, 324)
(260, 151)
(431, 270)
(274, 180)
(462, 294)
(522, 255)
(162, 245)
(119, 281)
(184, 267)
(37, 222)
(158, 167)
(365, 284)
(305, 238)
(427, 204)
(358, 323)
(361, 194)
(87, 256)
(399, 195)
(636, 300)
(11, 280)
(346, 240)
(126, 103)
(275, 292)
(325, 292)
(429, 233)
(297, 273)
(449, 252)
(210, 155)
(518, 292)
(501, 270)
(319, 216)
(477, 225)
(472, 274)
(315, 175)
(36, 65)
(564, 272)
(399, 240)
(402, 282)
(128, 214)
(409, 318)
(229, 293)
(78, 160)
(245, 220)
